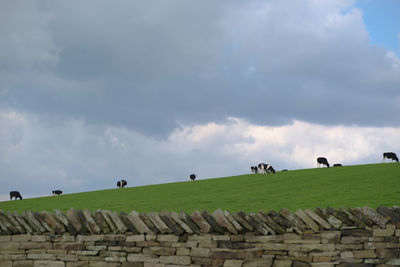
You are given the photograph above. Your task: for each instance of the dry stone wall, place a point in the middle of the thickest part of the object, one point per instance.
(321, 237)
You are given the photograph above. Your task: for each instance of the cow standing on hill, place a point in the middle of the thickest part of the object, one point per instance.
(265, 168)
(192, 177)
(323, 161)
(57, 192)
(122, 184)
(15, 194)
(254, 169)
(390, 155)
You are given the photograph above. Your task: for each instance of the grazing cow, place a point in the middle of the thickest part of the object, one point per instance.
(122, 184)
(192, 176)
(390, 155)
(254, 169)
(323, 161)
(337, 165)
(265, 168)
(15, 194)
(57, 192)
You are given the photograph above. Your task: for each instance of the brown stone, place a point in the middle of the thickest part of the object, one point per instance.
(128, 223)
(307, 220)
(242, 221)
(293, 219)
(211, 221)
(90, 222)
(351, 216)
(119, 224)
(60, 216)
(175, 217)
(178, 260)
(15, 222)
(101, 222)
(235, 224)
(390, 215)
(186, 218)
(171, 224)
(157, 222)
(43, 222)
(324, 224)
(57, 227)
(220, 218)
(33, 222)
(340, 215)
(198, 219)
(138, 223)
(75, 218)
(271, 223)
(357, 212)
(107, 217)
(374, 216)
(149, 223)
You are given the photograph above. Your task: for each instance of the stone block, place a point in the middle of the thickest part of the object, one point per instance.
(135, 238)
(168, 238)
(200, 252)
(142, 258)
(307, 220)
(364, 254)
(388, 231)
(170, 222)
(375, 217)
(220, 218)
(22, 263)
(90, 223)
(233, 263)
(279, 263)
(178, 260)
(159, 251)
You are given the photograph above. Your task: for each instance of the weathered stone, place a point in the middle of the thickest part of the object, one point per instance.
(57, 227)
(307, 220)
(75, 218)
(211, 221)
(340, 215)
(271, 223)
(159, 251)
(356, 232)
(157, 222)
(220, 218)
(90, 222)
(16, 223)
(101, 222)
(121, 228)
(235, 245)
(3, 229)
(375, 216)
(332, 220)
(242, 221)
(149, 223)
(107, 217)
(293, 219)
(390, 215)
(357, 212)
(260, 225)
(235, 224)
(137, 222)
(324, 224)
(279, 219)
(233, 263)
(49, 264)
(60, 216)
(198, 219)
(363, 254)
(388, 231)
(33, 222)
(178, 260)
(353, 218)
(43, 222)
(9, 225)
(181, 223)
(172, 225)
(186, 218)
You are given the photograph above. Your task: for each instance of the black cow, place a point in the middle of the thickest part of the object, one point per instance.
(192, 176)
(337, 165)
(323, 161)
(15, 194)
(122, 184)
(57, 192)
(390, 155)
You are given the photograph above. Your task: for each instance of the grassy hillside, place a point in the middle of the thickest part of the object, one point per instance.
(373, 185)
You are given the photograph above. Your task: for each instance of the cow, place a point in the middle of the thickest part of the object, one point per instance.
(192, 176)
(57, 192)
(265, 168)
(390, 155)
(122, 184)
(323, 161)
(15, 194)
(254, 169)
(337, 165)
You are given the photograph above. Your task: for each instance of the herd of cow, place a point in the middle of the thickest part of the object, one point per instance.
(262, 168)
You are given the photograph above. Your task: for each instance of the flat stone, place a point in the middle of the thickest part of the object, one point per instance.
(156, 220)
(295, 221)
(332, 220)
(52, 222)
(181, 223)
(279, 219)
(211, 220)
(258, 224)
(235, 224)
(101, 222)
(90, 222)
(137, 222)
(172, 225)
(220, 218)
(33, 222)
(187, 220)
(198, 219)
(340, 215)
(318, 219)
(7, 224)
(106, 215)
(307, 220)
(374, 216)
(271, 223)
(75, 218)
(390, 215)
(149, 223)
(60, 216)
(357, 212)
(128, 223)
(14, 221)
(351, 216)
(121, 228)
(43, 222)
(242, 221)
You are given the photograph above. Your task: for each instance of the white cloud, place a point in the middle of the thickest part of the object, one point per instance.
(37, 157)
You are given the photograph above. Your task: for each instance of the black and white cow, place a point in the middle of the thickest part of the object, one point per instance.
(390, 155)
(323, 161)
(122, 184)
(192, 176)
(254, 169)
(265, 168)
(57, 192)
(15, 194)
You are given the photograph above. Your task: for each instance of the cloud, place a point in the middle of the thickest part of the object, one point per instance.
(151, 66)
(75, 156)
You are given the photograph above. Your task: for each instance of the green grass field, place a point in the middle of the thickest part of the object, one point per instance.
(361, 185)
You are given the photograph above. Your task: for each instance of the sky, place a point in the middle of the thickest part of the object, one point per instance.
(151, 91)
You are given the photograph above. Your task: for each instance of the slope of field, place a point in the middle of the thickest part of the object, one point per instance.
(372, 185)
